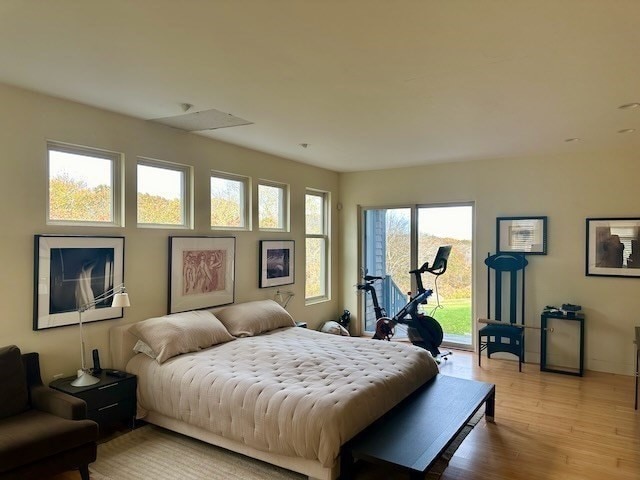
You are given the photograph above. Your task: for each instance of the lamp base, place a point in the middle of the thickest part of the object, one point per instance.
(84, 379)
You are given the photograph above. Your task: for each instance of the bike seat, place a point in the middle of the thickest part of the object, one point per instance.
(369, 278)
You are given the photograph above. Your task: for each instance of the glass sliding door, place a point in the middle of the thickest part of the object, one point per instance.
(451, 303)
(400, 239)
(387, 254)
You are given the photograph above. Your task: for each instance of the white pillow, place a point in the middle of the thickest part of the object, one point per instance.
(335, 328)
(253, 318)
(184, 332)
(141, 347)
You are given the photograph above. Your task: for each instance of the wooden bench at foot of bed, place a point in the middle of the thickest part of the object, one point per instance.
(416, 432)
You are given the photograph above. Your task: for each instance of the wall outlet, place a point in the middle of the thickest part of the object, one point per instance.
(58, 375)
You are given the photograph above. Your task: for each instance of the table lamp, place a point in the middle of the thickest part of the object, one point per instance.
(120, 299)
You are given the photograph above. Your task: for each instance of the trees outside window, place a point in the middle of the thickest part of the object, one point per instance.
(84, 185)
(316, 246)
(273, 206)
(230, 201)
(164, 198)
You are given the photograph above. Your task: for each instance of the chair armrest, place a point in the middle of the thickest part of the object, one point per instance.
(58, 403)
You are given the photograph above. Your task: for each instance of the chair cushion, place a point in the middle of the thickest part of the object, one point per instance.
(501, 331)
(34, 435)
(14, 394)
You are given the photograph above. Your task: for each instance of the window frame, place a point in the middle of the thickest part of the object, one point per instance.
(186, 192)
(326, 236)
(246, 200)
(117, 177)
(284, 212)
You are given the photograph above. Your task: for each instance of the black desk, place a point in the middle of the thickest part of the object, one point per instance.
(543, 344)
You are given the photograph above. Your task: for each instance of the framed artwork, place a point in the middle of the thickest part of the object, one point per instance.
(277, 263)
(71, 271)
(613, 247)
(526, 235)
(201, 272)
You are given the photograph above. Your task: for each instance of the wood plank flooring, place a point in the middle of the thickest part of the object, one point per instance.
(548, 426)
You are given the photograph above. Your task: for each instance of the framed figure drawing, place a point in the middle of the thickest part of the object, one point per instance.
(72, 271)
(613, 247)
(526, 235)
(201, 272)
(277, 263)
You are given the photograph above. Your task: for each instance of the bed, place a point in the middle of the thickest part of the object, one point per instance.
(265, 388)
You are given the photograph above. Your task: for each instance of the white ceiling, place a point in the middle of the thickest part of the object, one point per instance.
(366, 83)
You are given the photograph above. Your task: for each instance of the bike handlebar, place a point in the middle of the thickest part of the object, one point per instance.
(422, 269)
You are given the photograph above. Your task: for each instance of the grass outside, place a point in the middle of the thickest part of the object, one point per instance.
(455, 316)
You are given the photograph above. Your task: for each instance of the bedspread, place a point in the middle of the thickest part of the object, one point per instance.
(292, 391)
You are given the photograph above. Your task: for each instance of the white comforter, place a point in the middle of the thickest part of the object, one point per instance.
(292, 391)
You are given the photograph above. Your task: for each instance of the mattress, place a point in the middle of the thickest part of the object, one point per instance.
(291, 391)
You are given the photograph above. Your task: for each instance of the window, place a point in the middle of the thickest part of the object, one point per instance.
(230, 201)
(84, 186)
(164, 194)
(273, 208)
(316, 246)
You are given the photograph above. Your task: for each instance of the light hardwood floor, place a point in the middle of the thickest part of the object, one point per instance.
(548, 426)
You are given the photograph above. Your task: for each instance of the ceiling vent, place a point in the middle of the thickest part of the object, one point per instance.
(205, 120)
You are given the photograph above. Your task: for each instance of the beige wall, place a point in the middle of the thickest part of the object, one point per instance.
(567, 189)
(27, 120)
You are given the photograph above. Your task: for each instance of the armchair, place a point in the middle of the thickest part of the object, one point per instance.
(42, 431)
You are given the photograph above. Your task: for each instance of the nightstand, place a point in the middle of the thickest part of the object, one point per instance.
(110, 401)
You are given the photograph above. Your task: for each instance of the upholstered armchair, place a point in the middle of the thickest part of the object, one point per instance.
(42, 431)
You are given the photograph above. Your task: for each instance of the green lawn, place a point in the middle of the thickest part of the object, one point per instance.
(455, 316)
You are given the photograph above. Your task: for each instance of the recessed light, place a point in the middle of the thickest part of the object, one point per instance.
(627, 130)
(629, 106)
(304, 145)
(575, 139)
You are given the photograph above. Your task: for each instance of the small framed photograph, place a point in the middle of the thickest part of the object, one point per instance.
(71, 272)
(613, 247)
(277, 263)
(201, 272)
(526, 235)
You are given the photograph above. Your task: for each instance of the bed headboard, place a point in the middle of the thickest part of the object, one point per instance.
(121, 346)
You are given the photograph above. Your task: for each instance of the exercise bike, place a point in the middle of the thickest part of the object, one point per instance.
(423, 330)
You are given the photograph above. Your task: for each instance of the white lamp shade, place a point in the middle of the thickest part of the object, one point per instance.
(121, 300)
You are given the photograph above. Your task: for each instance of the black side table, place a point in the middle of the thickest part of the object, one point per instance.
(579, 371)
(110, 401)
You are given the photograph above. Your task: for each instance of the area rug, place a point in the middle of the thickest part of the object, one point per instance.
(153, 453)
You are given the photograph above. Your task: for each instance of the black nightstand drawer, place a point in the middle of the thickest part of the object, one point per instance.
(108, 394)
(120, 411)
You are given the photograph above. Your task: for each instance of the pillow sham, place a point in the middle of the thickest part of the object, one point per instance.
(253, 318)
(141, 347)
(184, 332)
